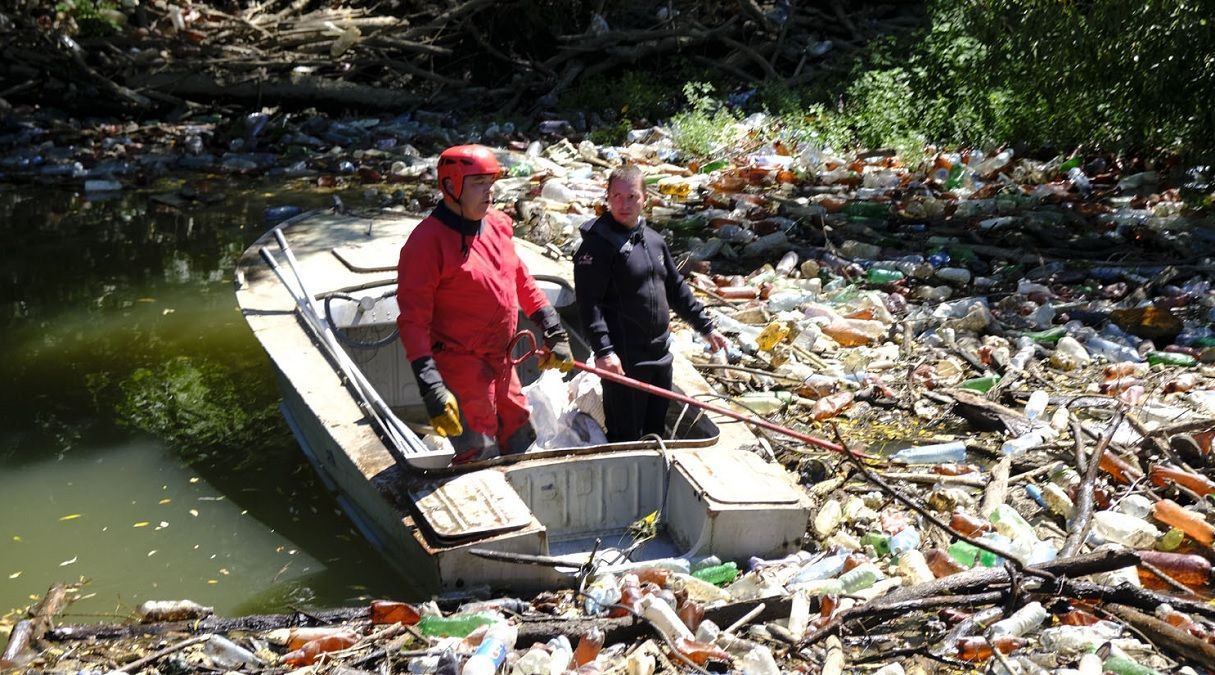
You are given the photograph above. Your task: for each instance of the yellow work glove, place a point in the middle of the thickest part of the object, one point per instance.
(447, 422)
(440, 404)
(563, 362)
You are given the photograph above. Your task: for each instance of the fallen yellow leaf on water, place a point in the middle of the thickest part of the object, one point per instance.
(17, 538)
(213, 581)
(65, 563)
(142, 523)
(194, 512)
(14, 575)
(74, 516)
(146, 300)
(167, 311)
(151, 553)
(166, 500)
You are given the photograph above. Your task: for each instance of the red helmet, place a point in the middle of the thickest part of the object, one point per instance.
(465, 160)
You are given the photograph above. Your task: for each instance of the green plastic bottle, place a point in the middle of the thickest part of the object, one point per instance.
(1205, 342)
(865, 209)
(879, 542)
(1171, 359)
(980, 384)
(1048, 336)
(881, 277)
(967, 553)
(1124, 666)
(718, 574)
(457, 625)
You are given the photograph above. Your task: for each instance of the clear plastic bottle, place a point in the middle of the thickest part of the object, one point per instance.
(938, 453)
(602, 593)
(1124, 529)
(1022, 622)
(227, 655)
(1036, 438)
(825, 568)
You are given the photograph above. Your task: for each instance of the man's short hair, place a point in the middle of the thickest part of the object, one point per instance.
(624, 172)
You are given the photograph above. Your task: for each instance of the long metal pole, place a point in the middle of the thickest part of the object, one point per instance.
(720, 410)
(375, 406)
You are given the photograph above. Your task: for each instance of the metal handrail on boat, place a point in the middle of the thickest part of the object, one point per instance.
(400, 438)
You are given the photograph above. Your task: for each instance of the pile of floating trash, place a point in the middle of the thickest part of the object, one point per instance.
(1026, 345)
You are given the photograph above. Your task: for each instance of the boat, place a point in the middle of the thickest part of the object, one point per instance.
(526, 522)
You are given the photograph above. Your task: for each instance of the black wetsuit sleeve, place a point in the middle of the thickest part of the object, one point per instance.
(592, 276)
(680, 298)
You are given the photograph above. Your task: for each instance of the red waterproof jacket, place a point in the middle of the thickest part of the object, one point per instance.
(460, 291)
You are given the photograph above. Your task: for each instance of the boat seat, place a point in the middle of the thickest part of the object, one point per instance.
(733, 476)
(470, 505)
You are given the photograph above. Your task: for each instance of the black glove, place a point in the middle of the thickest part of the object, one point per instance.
(560, 356)
(440, 404)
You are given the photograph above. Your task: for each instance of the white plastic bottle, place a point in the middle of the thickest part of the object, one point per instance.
(663, 617)
(498, 641)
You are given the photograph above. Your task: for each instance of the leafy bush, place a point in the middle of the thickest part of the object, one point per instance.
(707, 127)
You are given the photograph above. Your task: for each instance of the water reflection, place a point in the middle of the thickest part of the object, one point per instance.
(136, 399)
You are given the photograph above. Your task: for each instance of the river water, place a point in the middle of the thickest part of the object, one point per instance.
(140, 448)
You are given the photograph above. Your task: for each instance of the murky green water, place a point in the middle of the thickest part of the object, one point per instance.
(139, 445)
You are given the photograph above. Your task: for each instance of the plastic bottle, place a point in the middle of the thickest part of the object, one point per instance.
(859, 578)
(630, 595)
(603, 592)
(1169, 512)
(854, 332)
(828, 518)
(1112, 351)
(1171, 359)
(1118, 468)
(562, 655)
(938, 453)
(1124, 529)
(905, 540)
(968, 525)
(663, 616)
(171, 610)
(1162, 475)
(700, 652)
(553, 190)
(227, 655)
(942, 563)
(1192, 570)
(589, 646)
(1077, 638)
(1015, 447)
(830, 406)
(388, 611)
(759, 661)
(718, 574)
(498, 641)
(882, 277)
(310, 651)
(458, 625)
(980, 384)
(298, 637)
(914, 568)
(1057, 500)
(1121, 665)
(1023, 621)
(773, 334)
(824, 568)
(536, 661)
(980, 649)
(955, 275)
(967, 554)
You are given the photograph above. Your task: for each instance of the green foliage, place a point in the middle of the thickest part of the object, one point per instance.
(93, 18)
(615, 134)
(195, 407)
(629, 95)
(1121, 75)
(707, 126)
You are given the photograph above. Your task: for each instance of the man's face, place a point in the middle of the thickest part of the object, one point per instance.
(625, 199)
(477, 196)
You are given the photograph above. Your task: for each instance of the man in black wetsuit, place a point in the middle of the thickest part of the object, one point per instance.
(627, 285)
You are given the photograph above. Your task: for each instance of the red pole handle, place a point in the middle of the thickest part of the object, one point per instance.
(541, 351)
